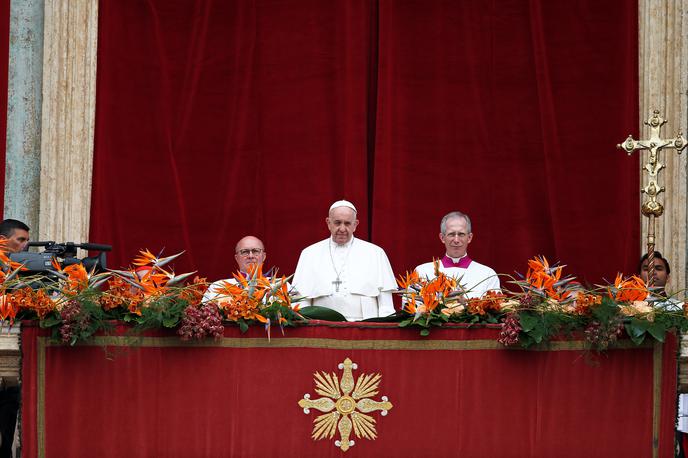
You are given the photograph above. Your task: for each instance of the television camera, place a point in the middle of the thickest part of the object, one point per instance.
(64, 253)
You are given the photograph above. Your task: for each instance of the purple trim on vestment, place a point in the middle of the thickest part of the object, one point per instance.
(463, 263)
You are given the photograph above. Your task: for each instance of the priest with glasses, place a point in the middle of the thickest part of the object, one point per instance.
(346, 274)
(249, 252)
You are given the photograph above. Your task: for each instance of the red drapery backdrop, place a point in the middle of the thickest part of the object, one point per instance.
(456, 393)
(219, 119)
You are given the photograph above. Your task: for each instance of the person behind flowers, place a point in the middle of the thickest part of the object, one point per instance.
(661, 274)
(456, 234)
(16, 235)
(249, 251)
(344, 273)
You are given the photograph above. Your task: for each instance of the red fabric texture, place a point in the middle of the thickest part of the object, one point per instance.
(509, 111)
(220, 119)
(185, 400)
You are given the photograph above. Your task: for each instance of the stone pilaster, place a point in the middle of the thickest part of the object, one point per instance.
(663, 67)
(69, 90)
(23, 141)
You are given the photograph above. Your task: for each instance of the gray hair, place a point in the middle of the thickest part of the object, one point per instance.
(452, 215)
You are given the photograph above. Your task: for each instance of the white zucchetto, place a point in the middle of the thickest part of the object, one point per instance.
(343, 203)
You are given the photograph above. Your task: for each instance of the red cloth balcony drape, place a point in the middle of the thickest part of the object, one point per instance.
(456, 393)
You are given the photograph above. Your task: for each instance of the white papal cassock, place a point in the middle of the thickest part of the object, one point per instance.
(354, 279)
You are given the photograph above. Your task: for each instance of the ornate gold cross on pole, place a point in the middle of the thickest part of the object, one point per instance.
(652, 208)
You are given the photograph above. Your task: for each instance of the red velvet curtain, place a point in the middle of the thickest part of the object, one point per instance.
(220, 119)
(509, 111)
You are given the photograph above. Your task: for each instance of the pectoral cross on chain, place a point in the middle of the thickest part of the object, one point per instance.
(652, 208)
(336, 284)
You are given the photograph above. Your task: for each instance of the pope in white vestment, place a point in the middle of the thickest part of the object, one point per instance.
(346, 274)
(474, 278)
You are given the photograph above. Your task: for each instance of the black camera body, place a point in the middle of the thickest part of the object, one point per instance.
(64, 254)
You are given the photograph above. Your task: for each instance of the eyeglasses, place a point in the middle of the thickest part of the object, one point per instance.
(250, 251)
(452, 235)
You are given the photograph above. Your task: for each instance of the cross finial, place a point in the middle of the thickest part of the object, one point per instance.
(655, 143)
(652, 208)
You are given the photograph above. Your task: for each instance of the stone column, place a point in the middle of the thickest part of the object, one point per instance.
(663, 66)
(23, 142)
(69, 85)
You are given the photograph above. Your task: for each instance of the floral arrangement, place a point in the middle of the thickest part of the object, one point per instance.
(255, 298)
(75, 303)
(543, 305)
(432, 302)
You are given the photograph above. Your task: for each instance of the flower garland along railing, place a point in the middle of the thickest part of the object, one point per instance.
(75, 304)
(545, 305)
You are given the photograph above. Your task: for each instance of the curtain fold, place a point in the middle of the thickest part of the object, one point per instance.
(508, 111)
(220, 119)
(215, 120)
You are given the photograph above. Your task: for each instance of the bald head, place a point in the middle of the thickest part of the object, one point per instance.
(244, 242)
(249, 251)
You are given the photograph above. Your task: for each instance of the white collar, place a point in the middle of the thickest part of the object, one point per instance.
(346, 245)
(456, 259)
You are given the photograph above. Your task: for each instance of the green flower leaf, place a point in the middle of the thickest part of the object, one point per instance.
(537, 333)
(321, 313)
(657, 331)
(636, 331)
(50, 321)
(170, 321)
(528, 321)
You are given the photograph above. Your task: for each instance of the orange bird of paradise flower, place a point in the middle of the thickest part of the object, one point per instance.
(408, 280)
(544, 278)
(437, 288)
(145, 258)
(77, 277)
(8, 309)
(410, 304)
(629, 289)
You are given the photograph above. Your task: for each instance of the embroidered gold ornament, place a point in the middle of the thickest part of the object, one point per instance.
(346, 405)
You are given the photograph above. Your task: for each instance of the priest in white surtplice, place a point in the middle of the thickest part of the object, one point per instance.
(474, 278)
(346, 274)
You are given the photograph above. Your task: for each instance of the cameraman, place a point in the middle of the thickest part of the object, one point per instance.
(16, 233)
